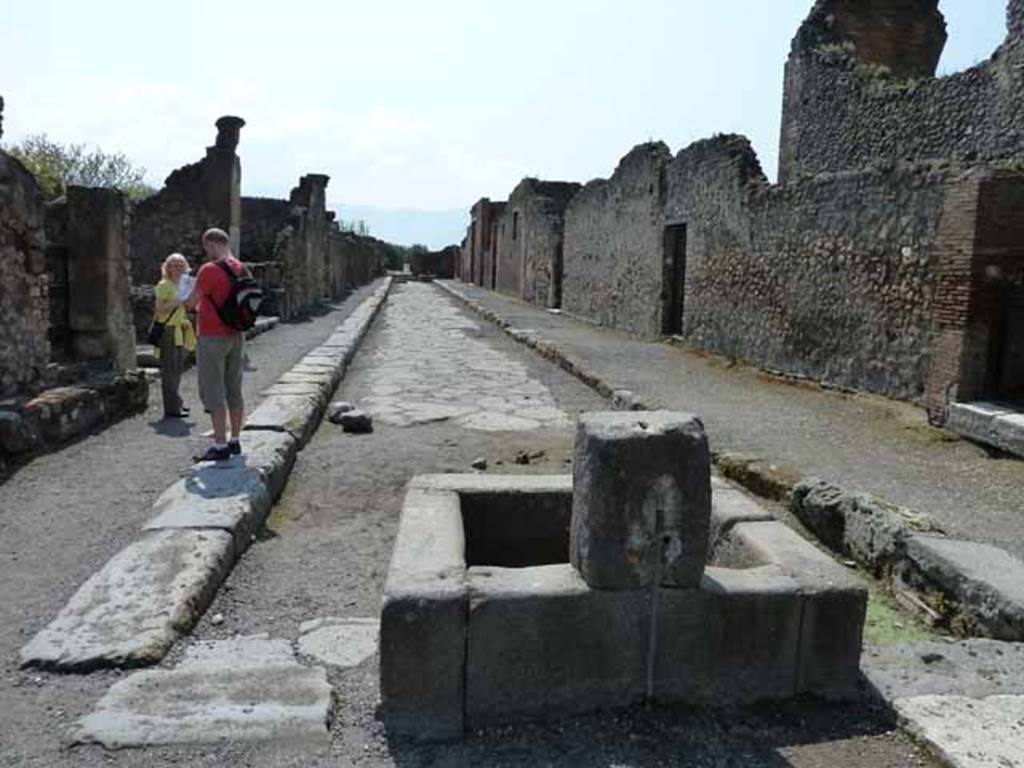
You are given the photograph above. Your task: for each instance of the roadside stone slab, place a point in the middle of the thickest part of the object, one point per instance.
(297, 415)
(978, 667)
(244, 689)
(339, 642)
(985, 583)
(131, 611)
(234, 497)
(966, 732)
(273, 454)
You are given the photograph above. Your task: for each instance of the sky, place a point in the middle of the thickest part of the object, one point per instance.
(414, 109)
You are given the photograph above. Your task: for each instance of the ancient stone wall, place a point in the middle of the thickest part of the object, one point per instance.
(194, 198)
(262, 219)
(530, 241)
(859, 89)
(612, 262)
(91, 291)
(833, 278)
(483, 235)
(440, 264)
(24, 302)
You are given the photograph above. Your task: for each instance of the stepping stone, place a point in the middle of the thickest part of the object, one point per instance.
(968, 732)
(244, 689)
(339, 642)
(131, 612)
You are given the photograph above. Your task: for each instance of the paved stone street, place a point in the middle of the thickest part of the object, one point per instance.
(429, 367)
(312, 582)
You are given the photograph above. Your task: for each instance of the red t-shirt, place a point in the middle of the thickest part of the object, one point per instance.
(212, 285)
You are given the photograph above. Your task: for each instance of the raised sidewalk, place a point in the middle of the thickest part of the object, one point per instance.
(862, 443)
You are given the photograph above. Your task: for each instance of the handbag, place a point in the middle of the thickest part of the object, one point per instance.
(155, 333)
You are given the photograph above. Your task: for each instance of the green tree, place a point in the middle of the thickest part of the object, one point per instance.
(57, 165)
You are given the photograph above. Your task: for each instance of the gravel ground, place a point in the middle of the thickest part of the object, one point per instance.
(63, 515)
(325, 552)
(861, 442)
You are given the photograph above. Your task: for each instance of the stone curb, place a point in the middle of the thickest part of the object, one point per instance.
(968, 588)
(146, 597)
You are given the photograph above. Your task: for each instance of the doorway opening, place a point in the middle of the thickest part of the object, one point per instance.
(673, 279)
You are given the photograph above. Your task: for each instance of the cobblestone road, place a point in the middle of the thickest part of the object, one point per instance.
(429, 366)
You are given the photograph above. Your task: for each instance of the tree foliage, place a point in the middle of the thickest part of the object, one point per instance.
(57, 165)
(355, 226)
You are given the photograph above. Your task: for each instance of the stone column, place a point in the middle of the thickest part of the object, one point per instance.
(99, 284)
(222, 182)
(641, 504)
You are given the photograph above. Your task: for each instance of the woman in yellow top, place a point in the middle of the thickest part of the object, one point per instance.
(178, 338)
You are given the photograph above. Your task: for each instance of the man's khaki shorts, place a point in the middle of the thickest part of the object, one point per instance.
(219, 364)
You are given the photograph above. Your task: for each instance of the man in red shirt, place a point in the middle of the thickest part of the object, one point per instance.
(219, 349)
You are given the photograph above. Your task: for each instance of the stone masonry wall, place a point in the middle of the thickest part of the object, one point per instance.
(194, 198)
(262, 219)
(859, 88)
(24, 302)
(612, 262)
(530, 241)
(833, 278)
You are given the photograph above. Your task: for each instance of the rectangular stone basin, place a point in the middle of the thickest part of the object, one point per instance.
(484, 620)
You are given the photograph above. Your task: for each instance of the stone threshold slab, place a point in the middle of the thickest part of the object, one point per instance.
(243, 689)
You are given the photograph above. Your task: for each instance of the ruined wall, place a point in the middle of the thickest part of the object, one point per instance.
(833, 278)
(194, 198)
(859, 89)
(91, 290)
(612, 262)
(262, 219)
(530, 241)
(301, 246)
(483, 234)
(440, 264)
(24, 303)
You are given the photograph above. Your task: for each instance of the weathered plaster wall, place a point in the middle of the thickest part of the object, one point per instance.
(194, 198)
(859, 88)
(612, 261)
(530, 241)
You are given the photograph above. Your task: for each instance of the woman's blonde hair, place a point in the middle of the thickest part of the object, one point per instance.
(174, 258)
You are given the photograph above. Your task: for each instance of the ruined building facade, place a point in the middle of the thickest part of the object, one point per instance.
(888, 258)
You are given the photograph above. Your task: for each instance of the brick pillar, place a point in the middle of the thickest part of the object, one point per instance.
(100, 322)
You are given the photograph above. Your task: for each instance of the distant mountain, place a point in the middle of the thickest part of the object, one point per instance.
(405, 226)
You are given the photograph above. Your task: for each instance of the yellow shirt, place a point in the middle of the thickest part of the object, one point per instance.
(176, 319)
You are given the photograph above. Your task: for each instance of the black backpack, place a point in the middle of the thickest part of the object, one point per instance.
(242, 305)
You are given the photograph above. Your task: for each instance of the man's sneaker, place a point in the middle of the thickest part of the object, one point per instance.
(213, 453)
(235, 447)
